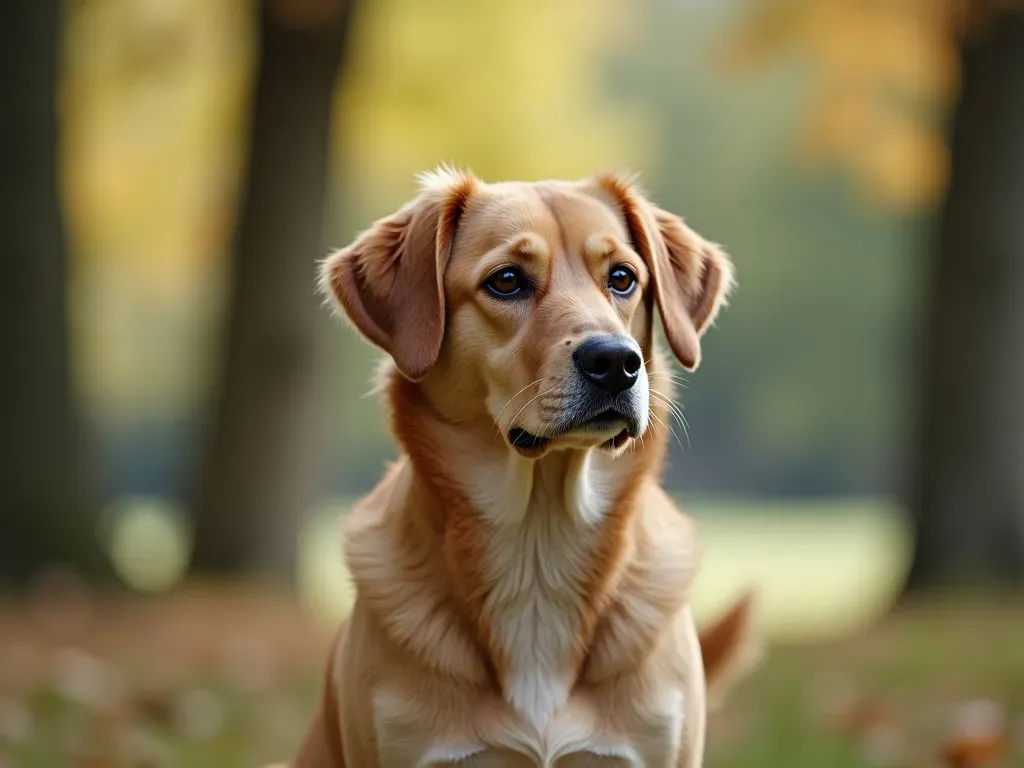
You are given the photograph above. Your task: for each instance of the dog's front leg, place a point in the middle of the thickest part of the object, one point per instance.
(321, 746)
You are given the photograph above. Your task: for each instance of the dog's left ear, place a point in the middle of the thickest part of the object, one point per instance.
(390, 281)
(692, 277)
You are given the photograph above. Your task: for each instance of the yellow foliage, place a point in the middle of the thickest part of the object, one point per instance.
(887, 45)
(840, 122)
(882, 70)
(769, 28)
(908, 164)
(152, 109)
(508, 89)
(152, 106)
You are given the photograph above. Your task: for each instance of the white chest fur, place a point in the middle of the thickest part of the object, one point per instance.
(536, 613)
(488, 733)
(544, 522)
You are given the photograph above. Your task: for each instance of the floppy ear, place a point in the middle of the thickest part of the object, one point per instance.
(691, 276)
(390, 281)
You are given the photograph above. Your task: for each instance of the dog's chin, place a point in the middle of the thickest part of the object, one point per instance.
(528, 444)
(612, 434)
(618, 443)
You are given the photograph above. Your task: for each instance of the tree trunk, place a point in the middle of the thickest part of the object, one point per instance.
(968, 502)
(259, 474)
(47, 511)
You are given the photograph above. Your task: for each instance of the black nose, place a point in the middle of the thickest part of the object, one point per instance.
(611, 362)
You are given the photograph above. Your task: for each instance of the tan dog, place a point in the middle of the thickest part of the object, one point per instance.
(522, 581)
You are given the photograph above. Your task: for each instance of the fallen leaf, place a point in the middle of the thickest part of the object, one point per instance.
(978, 738)
(158, 707)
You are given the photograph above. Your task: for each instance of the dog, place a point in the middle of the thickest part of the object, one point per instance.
(522, 581)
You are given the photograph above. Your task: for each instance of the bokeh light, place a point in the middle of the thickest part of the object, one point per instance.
(150, 542)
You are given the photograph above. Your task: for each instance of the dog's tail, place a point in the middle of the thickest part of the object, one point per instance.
(730, 647)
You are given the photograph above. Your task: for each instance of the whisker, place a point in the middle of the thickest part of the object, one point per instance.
(652, 428)
(672, 407)
(669, 401)
(668, 427)
(673, 377)
(668, 375)
(676, 411)
(539, 394)
(508, 402)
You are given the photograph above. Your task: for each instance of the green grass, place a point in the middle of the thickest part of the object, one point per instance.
(821, 569)
(905, 680)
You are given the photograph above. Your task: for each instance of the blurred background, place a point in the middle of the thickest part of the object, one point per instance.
(184, 421)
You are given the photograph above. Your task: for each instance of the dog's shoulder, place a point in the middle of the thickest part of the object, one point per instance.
(652, 590)
(396, 562)
(667, 538)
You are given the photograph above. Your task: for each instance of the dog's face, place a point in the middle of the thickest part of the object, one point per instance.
(530, 306)
(545, 302)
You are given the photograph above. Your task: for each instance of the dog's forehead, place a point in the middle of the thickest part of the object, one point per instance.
(563, 214)
(581, 216)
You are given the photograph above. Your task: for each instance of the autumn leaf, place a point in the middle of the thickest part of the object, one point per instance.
(905, 165)
(767, 29)
(978, 738)
(882, 72)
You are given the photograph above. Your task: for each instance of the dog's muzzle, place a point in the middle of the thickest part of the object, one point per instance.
(607, 388)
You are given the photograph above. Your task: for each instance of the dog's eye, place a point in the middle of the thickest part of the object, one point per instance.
(506, 282)
(622, 280)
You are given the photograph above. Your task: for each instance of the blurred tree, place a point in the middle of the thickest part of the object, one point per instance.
(47, 502)
(886, 71)
(259, 475)
(968, 499)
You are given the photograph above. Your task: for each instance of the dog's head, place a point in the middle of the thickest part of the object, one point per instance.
(529, 306)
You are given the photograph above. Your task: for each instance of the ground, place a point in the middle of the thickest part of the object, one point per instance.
(227, 677)
(219, 679)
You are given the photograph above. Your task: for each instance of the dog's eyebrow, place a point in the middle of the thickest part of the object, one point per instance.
(600, 246)
(528, 246)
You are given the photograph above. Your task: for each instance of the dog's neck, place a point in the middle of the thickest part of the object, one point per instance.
(555, 539)
(533, 547)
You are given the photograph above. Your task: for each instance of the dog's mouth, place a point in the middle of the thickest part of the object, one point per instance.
(531, 445)
(618, 441)
(603, 420)
(527, 443)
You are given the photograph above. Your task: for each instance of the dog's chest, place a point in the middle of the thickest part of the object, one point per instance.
(545, 526)
(537, 608)
(587, 731)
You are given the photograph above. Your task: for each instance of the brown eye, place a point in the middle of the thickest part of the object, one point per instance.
(506, 282)
(622, 280)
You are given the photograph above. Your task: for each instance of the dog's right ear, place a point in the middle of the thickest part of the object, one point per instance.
(390, 281)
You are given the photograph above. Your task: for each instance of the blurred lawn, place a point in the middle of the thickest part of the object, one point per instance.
(227, 677)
